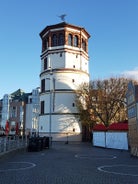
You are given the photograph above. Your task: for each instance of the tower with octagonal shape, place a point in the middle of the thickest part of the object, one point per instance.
(64, 66)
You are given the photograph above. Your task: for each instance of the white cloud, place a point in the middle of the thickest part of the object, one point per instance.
(131, 73)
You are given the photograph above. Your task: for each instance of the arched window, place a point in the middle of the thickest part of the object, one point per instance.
(70, 39)
(61, 39)
(83, 45)
(44, 47)
(54, 40)
(75, 41)
(47, 42)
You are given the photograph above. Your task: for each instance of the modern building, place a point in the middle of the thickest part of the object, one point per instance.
(64, 66)
(132, 108)
(20, 112)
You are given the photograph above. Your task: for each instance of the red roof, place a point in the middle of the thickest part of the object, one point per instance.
(123, 126)
(100, 127)
(118, 126)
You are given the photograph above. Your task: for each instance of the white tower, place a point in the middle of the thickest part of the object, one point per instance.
(64, 66)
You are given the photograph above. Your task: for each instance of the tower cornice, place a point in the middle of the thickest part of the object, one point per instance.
(63, 70)
(65, 49)
(63, 25)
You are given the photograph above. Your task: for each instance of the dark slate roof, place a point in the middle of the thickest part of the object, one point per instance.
(18, 92)
(20, 95)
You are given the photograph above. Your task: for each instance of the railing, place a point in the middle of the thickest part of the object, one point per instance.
(8, 144)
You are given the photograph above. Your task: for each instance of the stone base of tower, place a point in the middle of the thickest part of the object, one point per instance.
(63, 137)
(62, 127)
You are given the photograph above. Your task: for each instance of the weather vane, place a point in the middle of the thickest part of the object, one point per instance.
(63, 17)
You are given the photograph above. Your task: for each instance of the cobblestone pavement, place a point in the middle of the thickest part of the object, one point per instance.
(69, 164)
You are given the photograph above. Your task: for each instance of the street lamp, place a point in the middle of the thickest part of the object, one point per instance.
(50, 102)
(50, 110)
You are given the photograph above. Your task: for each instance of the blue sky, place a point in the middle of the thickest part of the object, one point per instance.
(113, 46)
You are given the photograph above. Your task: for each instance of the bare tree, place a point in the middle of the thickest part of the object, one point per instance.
(102, 101)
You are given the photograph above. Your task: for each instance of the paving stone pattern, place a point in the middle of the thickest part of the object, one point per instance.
(69, 164)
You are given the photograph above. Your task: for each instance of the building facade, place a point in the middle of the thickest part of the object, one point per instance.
(64, 66)
(32, 113)
(132, 108)
(20, 112)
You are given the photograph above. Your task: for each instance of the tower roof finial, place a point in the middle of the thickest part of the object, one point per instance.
(62, 17)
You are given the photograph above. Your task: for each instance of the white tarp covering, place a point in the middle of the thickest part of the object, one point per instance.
(99, 139)
(116, 140)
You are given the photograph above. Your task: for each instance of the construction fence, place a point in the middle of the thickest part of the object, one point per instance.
(8, 144)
